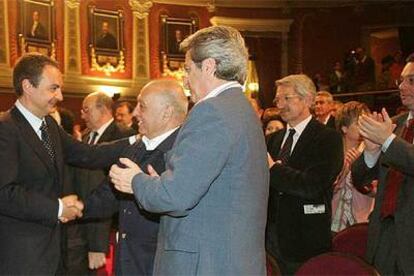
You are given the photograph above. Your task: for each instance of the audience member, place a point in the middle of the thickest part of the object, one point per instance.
(123, 115)
(385, 80)
(273, 126)
(390, 232)
(397, 66)
(161, 109)
(304, 162)
(213, 194)
(323, 108)
(33, 151)
(88, 242)
(350, 205)
(364, 71)
(337, 81)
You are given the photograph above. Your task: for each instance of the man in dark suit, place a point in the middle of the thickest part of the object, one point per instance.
(33, 151)
(389, 157)
(123, 115)
(161, 109)
(323, 108)
(304, 161)
(88, 242)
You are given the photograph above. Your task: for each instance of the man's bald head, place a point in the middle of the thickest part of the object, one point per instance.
(169, 92)
(161, 106)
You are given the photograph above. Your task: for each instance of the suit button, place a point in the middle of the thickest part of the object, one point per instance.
(280, 193)
(123, 236)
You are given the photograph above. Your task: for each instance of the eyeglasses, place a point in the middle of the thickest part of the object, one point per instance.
(409, 79)
(285, 98)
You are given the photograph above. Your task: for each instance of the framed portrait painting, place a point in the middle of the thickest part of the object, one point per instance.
(37, 31)
(106, 32)
(37, 21)
(174, 31)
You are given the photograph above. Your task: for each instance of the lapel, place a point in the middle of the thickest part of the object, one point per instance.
(107, 135)
(30, 137)
(304, 139)
(400, 121)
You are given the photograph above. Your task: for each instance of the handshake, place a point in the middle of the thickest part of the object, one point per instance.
(72, 208)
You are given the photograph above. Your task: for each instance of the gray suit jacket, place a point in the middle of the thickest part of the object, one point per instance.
(399, 155)
(213, 193)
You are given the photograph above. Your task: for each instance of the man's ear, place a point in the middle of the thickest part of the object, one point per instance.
(27, 86)
(209, 66)
(168, 112)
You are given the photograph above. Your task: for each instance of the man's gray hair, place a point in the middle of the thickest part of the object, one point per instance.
(302, 85)
(327, 95)
(223, 44)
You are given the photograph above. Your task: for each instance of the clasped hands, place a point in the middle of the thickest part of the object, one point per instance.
(122, 176)
(72, 208)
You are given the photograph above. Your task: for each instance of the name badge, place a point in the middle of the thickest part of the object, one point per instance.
(310, 209)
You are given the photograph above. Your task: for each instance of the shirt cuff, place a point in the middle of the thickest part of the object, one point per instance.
(388, 142)
(60, 208)
(132, 139)
(371, 158)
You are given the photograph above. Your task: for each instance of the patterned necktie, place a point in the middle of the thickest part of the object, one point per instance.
(92, 138)
(47, 143)
(395, 178)
(284, 153)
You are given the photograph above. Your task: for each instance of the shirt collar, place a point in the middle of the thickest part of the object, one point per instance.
(299, 128)
(152, 144)
(33, 120)
(216, 91)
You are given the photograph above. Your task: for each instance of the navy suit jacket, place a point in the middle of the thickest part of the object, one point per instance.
(138, 229)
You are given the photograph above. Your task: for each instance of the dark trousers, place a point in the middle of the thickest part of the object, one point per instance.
(385, 258)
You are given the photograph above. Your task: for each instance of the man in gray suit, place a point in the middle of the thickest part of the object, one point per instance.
(390, 158)
(213, 194)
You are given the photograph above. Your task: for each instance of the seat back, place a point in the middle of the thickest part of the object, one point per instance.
(352, 240)
(336, 263)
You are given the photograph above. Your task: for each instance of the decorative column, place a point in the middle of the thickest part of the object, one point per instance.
(284, 54)
(140, 52)
(5, 71)
(72, 48)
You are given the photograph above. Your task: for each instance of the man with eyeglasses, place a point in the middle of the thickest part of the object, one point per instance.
(304, 161)
(389, 156)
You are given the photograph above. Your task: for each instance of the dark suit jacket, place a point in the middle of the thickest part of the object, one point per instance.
(400, 156)
(95, 235)
(305, 181)
(138, 229)
(331, 122)
(29, 187)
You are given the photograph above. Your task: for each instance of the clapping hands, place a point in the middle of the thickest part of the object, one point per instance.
(375, 128)
(72, 208)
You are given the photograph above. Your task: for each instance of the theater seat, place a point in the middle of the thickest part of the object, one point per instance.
(336, 263)
(352, 240)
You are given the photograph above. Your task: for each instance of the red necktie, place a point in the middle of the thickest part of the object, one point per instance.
(395, 178)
